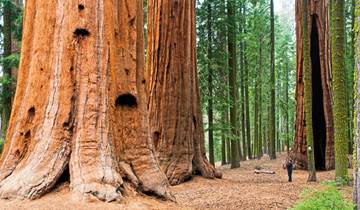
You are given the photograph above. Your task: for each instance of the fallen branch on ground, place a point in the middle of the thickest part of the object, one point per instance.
(260, 170)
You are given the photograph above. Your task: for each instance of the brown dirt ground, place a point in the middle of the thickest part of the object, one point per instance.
(239, 189)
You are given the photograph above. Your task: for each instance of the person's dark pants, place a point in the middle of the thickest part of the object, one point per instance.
(289, 170)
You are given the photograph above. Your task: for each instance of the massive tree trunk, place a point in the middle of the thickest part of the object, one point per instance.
(322, 118)
(80, 103)
(175, 114)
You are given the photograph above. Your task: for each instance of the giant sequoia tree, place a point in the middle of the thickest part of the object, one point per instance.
(175, 114)
(322, 118)
(80, 103)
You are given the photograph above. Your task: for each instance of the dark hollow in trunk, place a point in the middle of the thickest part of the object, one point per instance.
(323, 131)
(319, 125)
(65, 177)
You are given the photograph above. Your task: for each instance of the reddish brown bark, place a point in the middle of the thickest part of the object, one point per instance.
(80, 103)
(318, 22)
(174, 106)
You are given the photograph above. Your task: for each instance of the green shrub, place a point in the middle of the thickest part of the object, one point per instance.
(326, 198)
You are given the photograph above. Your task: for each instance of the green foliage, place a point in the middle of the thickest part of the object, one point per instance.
(339, 182)
(17, 24)
(11, 61)
(5, 81)
(342, 181)
(326, 198)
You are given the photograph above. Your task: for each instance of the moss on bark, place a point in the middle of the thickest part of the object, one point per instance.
(308, 94)
(339, 88)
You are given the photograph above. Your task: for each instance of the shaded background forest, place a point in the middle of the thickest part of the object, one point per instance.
(253, 61)
(251, 26)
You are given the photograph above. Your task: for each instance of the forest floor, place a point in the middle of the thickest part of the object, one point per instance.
(239, 189)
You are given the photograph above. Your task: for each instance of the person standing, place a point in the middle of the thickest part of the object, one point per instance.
(289, 162)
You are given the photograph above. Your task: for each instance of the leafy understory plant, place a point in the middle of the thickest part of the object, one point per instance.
(327, 197)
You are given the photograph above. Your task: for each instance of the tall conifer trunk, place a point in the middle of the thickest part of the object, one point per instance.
(232, 81)
(258, 103)
(272, 128)
(339, 88)
(308, 93)
(210, 85)
(242, 88)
